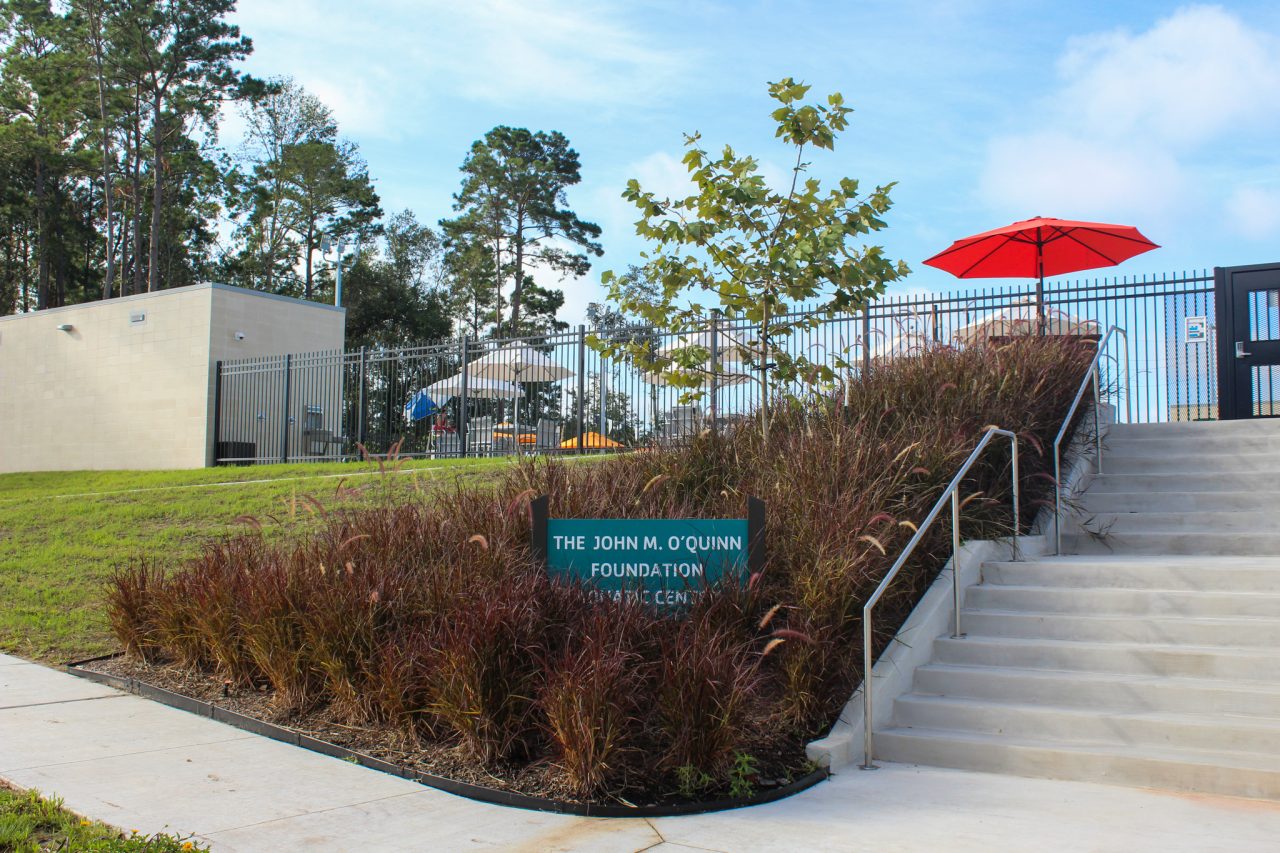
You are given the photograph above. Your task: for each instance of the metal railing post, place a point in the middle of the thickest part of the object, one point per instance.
(1091, 376)
(868, 761)
(1128, 381)
(1017, 501)
(1097, 418)
(955, 560)
(952, 493)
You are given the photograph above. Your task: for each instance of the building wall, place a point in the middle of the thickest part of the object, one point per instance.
(129, 386)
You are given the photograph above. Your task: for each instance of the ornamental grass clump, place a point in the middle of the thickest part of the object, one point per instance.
(598, 690)
(487, 671)
(428, 616)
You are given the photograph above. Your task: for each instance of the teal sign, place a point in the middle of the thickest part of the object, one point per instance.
(663, 562)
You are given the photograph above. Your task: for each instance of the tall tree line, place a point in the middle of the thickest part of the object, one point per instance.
(113, 181)
(109, 108)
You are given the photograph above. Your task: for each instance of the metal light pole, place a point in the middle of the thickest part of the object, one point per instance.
(325, 246)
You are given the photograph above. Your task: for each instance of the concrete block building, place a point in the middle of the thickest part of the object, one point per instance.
(128, 382)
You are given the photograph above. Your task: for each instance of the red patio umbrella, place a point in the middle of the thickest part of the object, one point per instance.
(1038, 247)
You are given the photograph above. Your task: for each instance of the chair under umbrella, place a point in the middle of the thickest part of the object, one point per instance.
(1035, 248)
(1022, 318)
(517, 364)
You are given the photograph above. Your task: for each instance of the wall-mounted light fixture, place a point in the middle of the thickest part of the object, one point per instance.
(66, 327)
(240, 336)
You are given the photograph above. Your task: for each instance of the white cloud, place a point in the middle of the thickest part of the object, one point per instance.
(1134, 128)
(1255, 212)
(1060, 174)
(1193, 76)
(663, 175)
(510, 50)
(377, 69)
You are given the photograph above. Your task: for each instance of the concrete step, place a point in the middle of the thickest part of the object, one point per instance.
(1211, 444)
(1090, 725)
(1095, 502)
(1202, 541)
(1250, 427)
(1123, 602)
(1243, 664)
(1189, 462)
(1235, 774)
(1141, 571)
(1222, 521)
(1243, 632)
(1264, 480)
(1116, 692)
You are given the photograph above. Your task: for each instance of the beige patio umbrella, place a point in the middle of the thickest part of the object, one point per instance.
(1019, 319)
(517, 363)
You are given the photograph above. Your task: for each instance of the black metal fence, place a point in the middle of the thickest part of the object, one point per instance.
(555, 393)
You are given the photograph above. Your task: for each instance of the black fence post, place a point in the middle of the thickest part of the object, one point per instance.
(364, 390)
(582, 387)
(866, 339)
(217, 409)
(715, 369)
(462, 398)
(284, 434)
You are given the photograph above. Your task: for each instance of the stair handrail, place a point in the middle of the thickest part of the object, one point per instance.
(952, 491)
(1091, 375)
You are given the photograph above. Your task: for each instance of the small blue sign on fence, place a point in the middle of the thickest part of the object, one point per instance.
(664, 562)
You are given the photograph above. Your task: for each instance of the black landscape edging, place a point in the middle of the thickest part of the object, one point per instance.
(450, 786)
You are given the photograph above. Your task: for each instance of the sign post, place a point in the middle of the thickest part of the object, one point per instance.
(665, 562)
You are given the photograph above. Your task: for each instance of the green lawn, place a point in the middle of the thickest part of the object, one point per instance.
(30, 823)
(61, 533)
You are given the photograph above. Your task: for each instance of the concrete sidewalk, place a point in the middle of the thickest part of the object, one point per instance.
(141, 765)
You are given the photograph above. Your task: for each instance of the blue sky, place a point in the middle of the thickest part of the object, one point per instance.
(1160, 115)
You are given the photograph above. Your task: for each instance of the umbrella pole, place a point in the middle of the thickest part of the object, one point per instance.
(1040, 324)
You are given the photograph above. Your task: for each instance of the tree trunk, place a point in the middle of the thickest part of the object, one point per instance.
(42, 240)
(515, 293)
(109, 276)
(157, 197)
(138, 280)
(497, 286)
(311, 236)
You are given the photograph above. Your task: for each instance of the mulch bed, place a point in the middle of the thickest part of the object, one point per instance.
(779, 763)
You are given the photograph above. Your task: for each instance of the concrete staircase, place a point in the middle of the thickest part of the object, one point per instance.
(1151, 655)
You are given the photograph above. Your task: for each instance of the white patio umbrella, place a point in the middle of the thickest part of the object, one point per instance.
(1020, 318)
(477, 388)
(902, 345)
(517, 363)
(730, 349)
